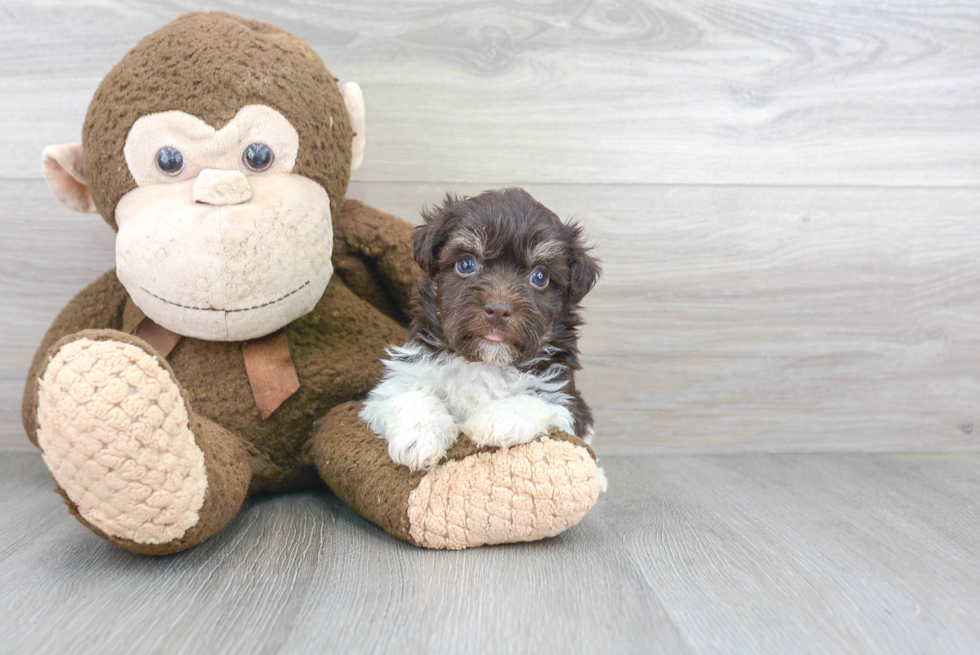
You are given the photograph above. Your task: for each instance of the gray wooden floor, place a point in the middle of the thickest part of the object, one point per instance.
(783, 354)
(686, 553)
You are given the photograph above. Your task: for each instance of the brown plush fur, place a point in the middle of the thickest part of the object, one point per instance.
(245, 63)
(210, 65)
(372, 254)
(336, 349)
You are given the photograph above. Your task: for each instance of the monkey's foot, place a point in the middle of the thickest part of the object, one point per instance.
(524, 493)
(115, 433)
(474, 497)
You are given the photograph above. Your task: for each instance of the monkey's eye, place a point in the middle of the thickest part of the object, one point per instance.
(170, 161)
(466, 266)
(258, 157)
(539, 278)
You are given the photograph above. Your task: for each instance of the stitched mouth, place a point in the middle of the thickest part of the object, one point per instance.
(228, 311)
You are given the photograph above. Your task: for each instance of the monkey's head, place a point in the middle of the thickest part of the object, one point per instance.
(218, 148)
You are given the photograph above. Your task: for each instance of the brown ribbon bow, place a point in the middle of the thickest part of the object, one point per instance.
(271, 372)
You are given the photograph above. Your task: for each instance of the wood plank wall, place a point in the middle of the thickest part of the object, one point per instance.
(785, 195)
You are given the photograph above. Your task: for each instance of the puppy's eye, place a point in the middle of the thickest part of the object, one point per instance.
(170, 161)
(258, 157)
(466, 266)
(539, 278)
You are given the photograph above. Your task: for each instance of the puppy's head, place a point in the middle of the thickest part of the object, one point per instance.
(503, 276)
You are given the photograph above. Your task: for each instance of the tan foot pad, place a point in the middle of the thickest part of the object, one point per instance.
(113, 430)
(524, 493)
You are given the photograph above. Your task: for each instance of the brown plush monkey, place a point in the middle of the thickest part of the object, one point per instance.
(220, 358)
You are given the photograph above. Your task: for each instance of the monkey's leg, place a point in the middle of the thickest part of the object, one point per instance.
(472, 498)
(131, 459)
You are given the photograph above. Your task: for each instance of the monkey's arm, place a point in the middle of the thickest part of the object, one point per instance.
(373, 256)
(98, 306)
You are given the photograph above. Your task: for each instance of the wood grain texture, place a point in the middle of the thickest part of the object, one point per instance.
(741, 92)
(816, 554)
(703, 554)
(728, 319)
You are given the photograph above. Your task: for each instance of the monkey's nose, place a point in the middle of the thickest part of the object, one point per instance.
(217, 187)
(498, 313)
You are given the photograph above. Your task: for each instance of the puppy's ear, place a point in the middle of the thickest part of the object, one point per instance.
(429, 237)
(583, 268)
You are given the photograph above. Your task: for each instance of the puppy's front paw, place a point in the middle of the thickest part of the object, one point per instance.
(517, 420)
(422, 443)
(499, 427)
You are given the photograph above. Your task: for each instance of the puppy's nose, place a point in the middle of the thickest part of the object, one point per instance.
(498, 313)
(216, 187)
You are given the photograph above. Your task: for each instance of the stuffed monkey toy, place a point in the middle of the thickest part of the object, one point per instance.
(248, 312)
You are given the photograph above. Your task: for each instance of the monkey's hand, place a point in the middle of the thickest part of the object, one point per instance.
(373, 256)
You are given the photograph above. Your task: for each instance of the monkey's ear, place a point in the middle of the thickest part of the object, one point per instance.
(354, 101)
(63, 171)
(583, 268)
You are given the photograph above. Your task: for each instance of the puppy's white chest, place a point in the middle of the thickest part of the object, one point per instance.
(468, 386)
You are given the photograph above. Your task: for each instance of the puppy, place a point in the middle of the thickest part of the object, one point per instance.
(492, 347)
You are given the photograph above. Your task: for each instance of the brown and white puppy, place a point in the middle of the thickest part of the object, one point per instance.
(492, 348)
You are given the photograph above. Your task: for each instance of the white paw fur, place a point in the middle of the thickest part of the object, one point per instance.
(416, 425)
(603, 481)
(516, 420)
(421, 444)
